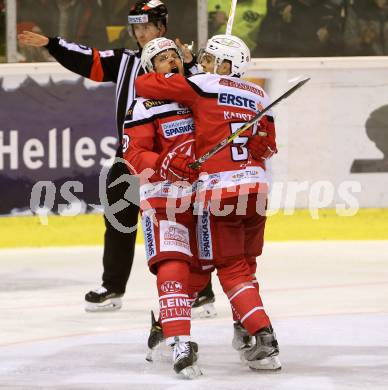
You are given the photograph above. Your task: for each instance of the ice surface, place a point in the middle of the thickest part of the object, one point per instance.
(327, 300)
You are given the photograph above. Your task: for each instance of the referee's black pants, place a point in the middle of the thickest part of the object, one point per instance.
(119, 247)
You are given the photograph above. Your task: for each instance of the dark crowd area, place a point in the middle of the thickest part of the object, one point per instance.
(307, 28)
(271, 28)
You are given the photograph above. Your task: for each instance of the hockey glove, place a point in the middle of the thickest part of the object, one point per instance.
(262, 148)
(175, 167)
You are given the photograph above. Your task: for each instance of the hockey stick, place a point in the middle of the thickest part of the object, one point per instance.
(197, 164)
(232, 14)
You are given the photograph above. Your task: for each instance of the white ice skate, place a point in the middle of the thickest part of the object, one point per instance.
(101, 299)
(263, 356)
(185, 358)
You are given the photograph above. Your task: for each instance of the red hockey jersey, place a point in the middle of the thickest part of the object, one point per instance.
(152, 128)
(220, 105)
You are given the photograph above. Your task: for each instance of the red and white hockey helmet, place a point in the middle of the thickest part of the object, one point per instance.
(230, 48)
(145, 11)
(155, 47)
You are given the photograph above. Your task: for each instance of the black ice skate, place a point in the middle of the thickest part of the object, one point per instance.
(155, 338)
(184, 358)
(157, 350)
(264, 354)
(102, 299)
(203, 306)
(242, 340)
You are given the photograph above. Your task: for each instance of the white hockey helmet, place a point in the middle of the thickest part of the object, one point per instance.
(155, 47)
(230, 48)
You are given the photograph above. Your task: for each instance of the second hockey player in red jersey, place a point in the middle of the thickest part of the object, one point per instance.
(158, 142)
(233, 180)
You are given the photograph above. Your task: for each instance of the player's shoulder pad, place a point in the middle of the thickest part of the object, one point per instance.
(206, 84)
(197, 76)
(142, 109)
(242, 85)
(146, 110)
(155, 108)
(136, 113)
(149, 104)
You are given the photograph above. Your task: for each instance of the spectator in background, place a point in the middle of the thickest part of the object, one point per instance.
(123, 40)
(116, 18)
(302, 28)
(218, 17)
(75, 20)
(82, 21)
(350, 27)
(270, 37)
(366, 31)
(182, 19)
(116, 12)
(249, 15)
(331, 27)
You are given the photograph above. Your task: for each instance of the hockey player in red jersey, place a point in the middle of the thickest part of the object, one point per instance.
(234, 179)
(158, 143)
